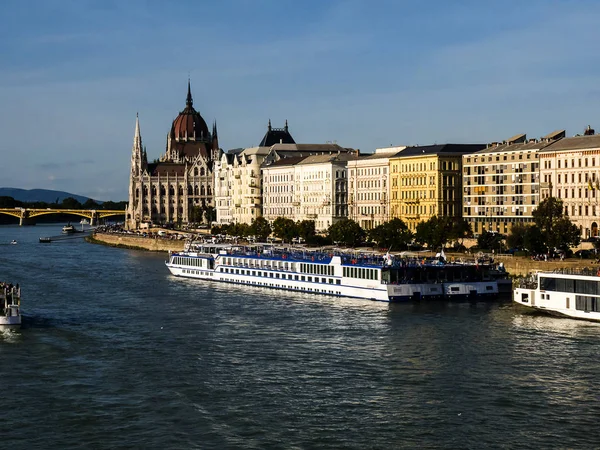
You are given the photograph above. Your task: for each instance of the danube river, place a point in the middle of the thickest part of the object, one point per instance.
(116, 353)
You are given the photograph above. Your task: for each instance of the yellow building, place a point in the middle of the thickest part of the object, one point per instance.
(426, 181)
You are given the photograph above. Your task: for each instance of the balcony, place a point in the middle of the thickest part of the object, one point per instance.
(311, 216)
(295, 203)
(326, 203)
(238, 205)
(237, 175)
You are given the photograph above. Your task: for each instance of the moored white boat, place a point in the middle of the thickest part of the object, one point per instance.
(10, 305)
(334, 273)
(570, 293)
(68, 229)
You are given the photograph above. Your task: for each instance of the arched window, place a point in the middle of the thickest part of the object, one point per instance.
(196, 190)
(137, 193)
(201, 171)
(163, 190)
(180, 190)
(202, 190)
(195, 171)
(171, 190)
(208, 191)
(153, 190)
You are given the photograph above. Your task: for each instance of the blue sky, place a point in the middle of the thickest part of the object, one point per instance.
(367, 74)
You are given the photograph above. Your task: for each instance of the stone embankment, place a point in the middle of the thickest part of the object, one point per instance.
(516, 266)
(121, 240)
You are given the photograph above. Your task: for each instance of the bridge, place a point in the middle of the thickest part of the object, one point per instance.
(93, 215)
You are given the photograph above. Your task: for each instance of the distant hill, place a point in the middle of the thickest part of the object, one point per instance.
(41, 195)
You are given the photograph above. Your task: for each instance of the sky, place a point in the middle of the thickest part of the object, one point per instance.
(364, 74)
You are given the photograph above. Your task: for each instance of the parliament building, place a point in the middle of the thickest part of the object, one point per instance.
(179, 186)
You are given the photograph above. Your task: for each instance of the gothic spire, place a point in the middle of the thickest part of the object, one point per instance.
(286, 125)
(189, 102)
(269, 124)
(137, 137)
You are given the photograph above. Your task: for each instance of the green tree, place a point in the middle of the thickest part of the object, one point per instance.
(9, 202)
(70, 203)
(490, 241)
(347, 232)
(516, 237)
(394, 234)
(461, 230)
(260, 228)
(556, 229)
(285, 229)
(306, 230)
(435, 232)
(196, 214)
(90, 204)
(533, 240)
(210, 214)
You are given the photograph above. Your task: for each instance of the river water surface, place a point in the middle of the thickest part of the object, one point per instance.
(116, 353)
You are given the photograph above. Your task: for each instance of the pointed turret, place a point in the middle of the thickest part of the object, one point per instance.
(269, 125)
(215, 142)
(137, 136)
(286, 126)
(189, 101)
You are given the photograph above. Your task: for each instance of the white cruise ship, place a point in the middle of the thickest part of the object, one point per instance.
(334, 273)
(570, 293)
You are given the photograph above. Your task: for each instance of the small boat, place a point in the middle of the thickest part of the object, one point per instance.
(10, 305)
(13, 242)
(567, 293)
(45, 240)
(68, 229)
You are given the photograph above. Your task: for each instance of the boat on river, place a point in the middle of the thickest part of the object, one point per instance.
(335, 272)
(69, 229)
(10, 305)
(571, 293)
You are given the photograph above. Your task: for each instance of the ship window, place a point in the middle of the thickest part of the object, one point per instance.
(549, 284)
(303, 278)
(338, 282)
(309, 278)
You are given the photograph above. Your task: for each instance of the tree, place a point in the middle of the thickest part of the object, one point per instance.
(306, 230)
(516, 237)
(210, 214)
(435, 232)
(533, 241)
(461, 230)
(490, 241)
(90, 204)
(347, 232)
(556, 229)
(565, 234)
(394, 234)
(260, 228)
(70, 203)
(285, 229)
(196, 214)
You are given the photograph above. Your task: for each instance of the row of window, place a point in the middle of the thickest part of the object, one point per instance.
(318, 269)
(560, 164)
(277, 275)
(292, 288)
(361, 272)
(590, 287)
(587, 304)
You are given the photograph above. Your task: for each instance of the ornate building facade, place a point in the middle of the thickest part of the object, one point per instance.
(570, 171)
(178, 187)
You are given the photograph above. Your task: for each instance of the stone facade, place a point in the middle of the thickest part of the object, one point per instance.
(178, 188)
(570, 170)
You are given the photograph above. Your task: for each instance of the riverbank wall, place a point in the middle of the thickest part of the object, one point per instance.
(515, 265)
(137, 242)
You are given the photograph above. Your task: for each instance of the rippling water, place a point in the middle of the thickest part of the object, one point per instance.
(116, 353)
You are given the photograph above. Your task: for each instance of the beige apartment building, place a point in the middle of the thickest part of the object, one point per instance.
(427, 181)
(570, 170)
(369, 187)
(307, 188)
(501, 183)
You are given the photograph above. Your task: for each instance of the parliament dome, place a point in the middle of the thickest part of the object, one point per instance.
(189, 124)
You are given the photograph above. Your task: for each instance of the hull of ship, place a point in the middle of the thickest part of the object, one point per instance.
(552, 307)
(407, 292)
(10, 321)
(336, 290)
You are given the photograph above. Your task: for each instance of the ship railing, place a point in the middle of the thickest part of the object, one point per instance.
(586, 271)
